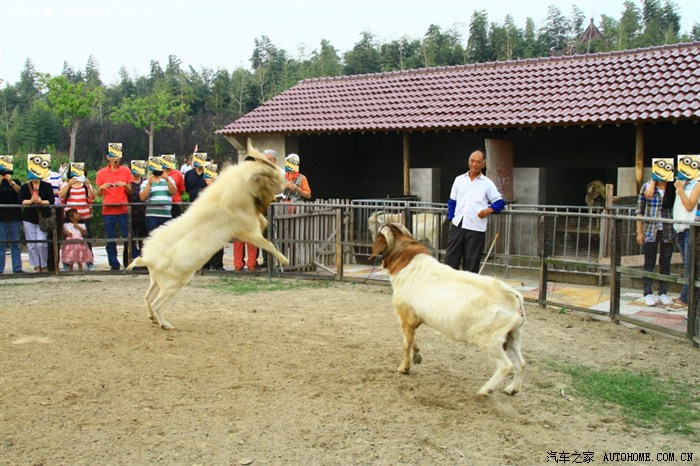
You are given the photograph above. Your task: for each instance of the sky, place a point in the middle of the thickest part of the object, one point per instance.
(220, 34)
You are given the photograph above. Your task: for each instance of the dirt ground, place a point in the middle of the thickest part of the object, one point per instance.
(303, 376)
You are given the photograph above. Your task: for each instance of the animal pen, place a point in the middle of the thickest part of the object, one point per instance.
(592, 247)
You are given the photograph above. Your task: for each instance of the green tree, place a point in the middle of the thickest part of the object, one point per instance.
(28, 86)
(478, 50)
(695, 32)
(150, 113)
(629, 26)
(401, 54)
(531, 47)
(575, 29)
(364, 57)
(92, 73)
(36, 128)
(72, 103)
(9, 99)
(610, 28)
(553, 35)
(442, 48)
(326, 62)
(270, 65)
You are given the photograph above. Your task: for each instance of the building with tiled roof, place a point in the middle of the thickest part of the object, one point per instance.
(575, 117)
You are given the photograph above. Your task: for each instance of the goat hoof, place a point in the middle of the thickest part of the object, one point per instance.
(482, 396)
(510, 390)
(417, 358)
(404, 371)
(166, 326)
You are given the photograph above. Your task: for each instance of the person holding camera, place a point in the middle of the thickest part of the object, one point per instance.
(114, 184)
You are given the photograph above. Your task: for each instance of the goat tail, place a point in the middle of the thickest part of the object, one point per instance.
(138, 262)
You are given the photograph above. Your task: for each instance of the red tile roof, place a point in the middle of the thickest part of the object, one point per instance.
(653, 84)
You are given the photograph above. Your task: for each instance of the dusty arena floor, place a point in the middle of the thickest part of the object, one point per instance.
(297, 376)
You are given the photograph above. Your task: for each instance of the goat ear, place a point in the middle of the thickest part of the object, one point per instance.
(379, 246)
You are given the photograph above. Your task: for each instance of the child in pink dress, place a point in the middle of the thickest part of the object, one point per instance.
(74, 249)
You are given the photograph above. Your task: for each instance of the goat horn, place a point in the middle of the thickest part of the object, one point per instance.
(385, 231)
(403, 229)
(251, 150)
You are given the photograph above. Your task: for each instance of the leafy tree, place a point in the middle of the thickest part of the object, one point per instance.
(150, 113)
(28, 87)
(478, 49)
(661, 23)
(531, 47)
(553, 35)
(269, 64)
(401, 54)
(70, 74)
(610, 28)
(35, 129)
(629, 27)
(364, 57)
(695, 32)
(242, 91)
(72, 103)
(506, 41)
(326, 62)
(575, 23)
(92, 73)
(9, 99)
(442, 48)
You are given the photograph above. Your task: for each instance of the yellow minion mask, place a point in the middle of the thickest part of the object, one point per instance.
(688, 167)
(662, 169)
(6, 162)
(199, 159)
(38, 166)
(155, 164)
(77, 169)
(114, 150)
(138, 167)
(169, 161)
(291, 163)
(210, 170)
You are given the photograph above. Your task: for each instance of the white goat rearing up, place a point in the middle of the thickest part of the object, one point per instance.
(462, 305)
(232, 207)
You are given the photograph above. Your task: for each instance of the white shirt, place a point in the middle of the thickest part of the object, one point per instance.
(472, 197)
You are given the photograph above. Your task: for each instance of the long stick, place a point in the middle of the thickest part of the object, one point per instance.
(488, 253)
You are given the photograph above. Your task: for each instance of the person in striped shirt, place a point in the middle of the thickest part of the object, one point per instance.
(157, 192)
(77, 193)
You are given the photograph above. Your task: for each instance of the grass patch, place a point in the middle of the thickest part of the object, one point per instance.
(242, 285)
(644, 399)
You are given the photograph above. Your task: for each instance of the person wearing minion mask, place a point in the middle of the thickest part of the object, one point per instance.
(687, 196)
(157, 192)
(297, 188)
(655, 201)
(114, 183)
(36, 196)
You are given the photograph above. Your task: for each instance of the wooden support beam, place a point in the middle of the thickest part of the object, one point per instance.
(406, 166)
(639, 155)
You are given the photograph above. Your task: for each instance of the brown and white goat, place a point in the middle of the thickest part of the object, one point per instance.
(232, 207)
(464, 306)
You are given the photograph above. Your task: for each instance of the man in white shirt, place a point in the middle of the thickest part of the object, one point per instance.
(473, 198)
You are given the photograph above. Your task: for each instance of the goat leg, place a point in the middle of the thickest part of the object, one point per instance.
(158, 303)
(503, 367)
(513, 352)
(151, 293)
(409, 334)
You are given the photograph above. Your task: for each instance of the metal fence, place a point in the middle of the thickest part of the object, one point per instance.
(551, 244)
